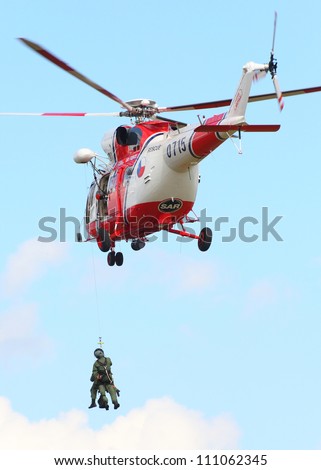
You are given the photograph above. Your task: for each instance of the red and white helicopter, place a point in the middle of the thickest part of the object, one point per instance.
(149, 178)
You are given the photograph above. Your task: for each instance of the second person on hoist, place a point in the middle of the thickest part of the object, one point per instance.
(103, 382)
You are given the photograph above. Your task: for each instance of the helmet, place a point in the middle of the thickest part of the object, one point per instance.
(99, 353)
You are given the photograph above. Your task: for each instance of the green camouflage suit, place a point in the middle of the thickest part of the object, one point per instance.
(102, 379)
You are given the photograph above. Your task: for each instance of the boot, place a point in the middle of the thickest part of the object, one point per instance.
(93, 404)
(107, 407)
(101, 402)
(116, 405)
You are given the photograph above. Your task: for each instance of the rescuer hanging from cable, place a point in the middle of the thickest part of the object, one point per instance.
(102, 379)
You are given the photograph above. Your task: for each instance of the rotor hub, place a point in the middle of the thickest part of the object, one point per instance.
(142, 108)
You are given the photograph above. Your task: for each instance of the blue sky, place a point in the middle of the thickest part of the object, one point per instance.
(224, 345)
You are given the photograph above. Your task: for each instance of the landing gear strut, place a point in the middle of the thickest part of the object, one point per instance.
(204, 239)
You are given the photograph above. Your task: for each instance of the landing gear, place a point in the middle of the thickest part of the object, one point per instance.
(115, 258)
(103, 240)
(111, 258)
(119, 258)
(205, 239)
(137, 244)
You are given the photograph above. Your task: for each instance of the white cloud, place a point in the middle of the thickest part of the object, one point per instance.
(29, 262)
(159, 424)
(19, 324)
(19, 332)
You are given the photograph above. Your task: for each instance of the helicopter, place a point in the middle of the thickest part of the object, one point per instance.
(148, 179)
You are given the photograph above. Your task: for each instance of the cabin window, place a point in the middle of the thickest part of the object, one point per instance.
(127, 174)
(112, 182)
(103, 200)
(90, 201)
(103, 183)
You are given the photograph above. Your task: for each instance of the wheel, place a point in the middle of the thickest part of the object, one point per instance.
(111, 258)
(103, 240)
(137, 245)
(119, 258)
(134, 245)
(78, 237)
(205, 239)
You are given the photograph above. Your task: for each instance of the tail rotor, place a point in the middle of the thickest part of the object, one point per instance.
(273, 67)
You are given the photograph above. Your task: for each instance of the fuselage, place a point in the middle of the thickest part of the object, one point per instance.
(153, 182)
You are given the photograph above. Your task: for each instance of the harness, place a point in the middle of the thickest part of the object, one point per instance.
(106, 371)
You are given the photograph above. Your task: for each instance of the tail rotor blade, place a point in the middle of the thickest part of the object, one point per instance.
(278, 92)
(274, 31)
(259, 75)
(273, 67)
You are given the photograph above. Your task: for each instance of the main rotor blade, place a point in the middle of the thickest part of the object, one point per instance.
(238, 127)
(270, 96)
(191, 107)
(227, 102)
(63, 65)
(61, 114)
(187, 107)
(172, 121)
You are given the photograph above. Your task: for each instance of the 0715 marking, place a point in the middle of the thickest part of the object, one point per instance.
(177, 146)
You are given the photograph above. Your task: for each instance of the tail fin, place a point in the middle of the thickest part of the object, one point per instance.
(236, 112)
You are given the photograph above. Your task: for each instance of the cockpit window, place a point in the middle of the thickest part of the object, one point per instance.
(134, 136)
(128, 136)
